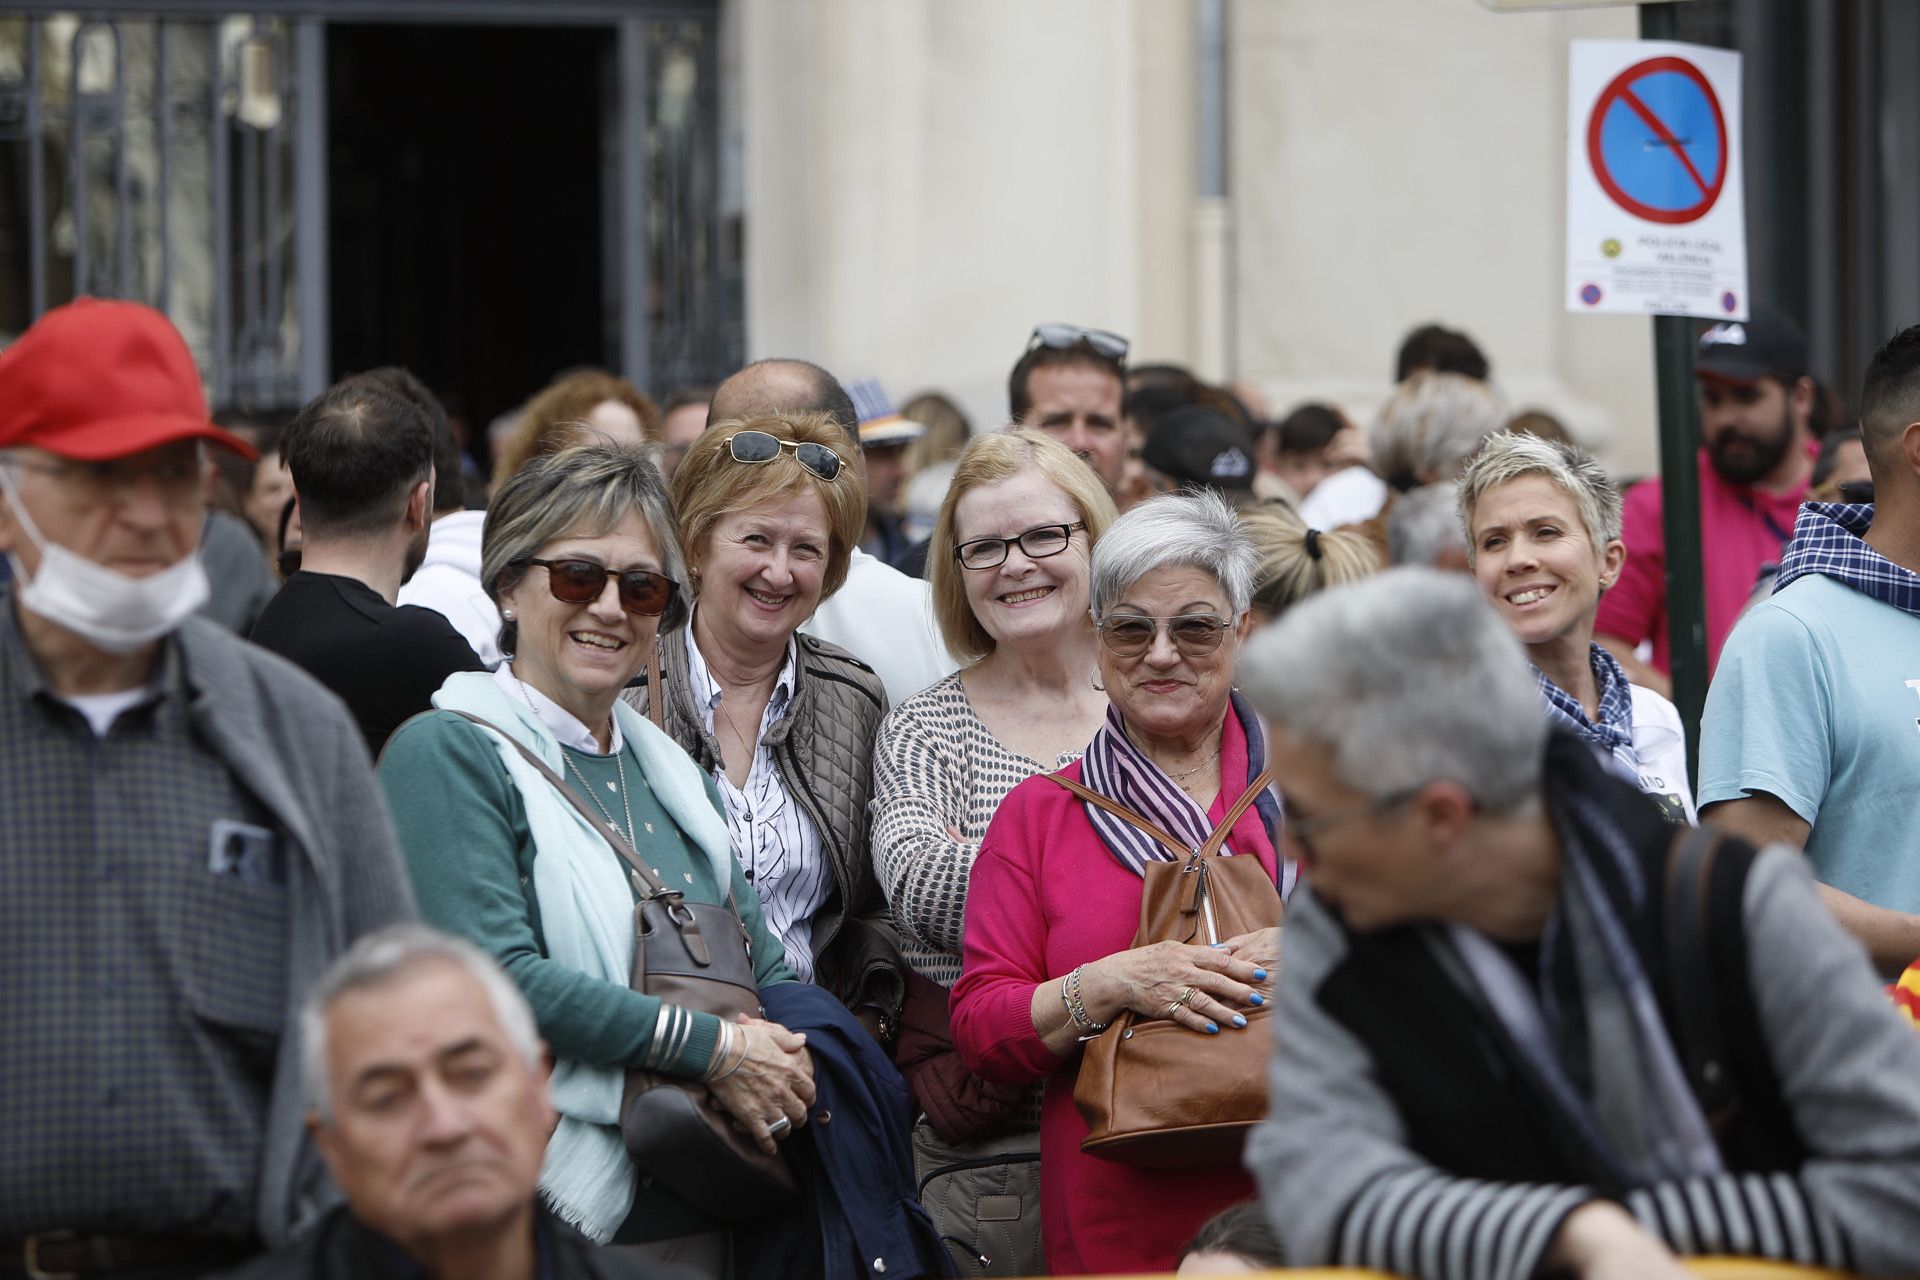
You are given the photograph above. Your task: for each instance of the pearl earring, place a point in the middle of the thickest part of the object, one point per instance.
(506, 615)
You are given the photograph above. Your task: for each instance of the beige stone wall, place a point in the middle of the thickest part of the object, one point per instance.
(924, 179)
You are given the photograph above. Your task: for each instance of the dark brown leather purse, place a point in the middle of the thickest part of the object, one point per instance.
(697, 955)
(1152, 1092)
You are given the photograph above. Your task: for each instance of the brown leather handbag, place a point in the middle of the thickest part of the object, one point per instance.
(697, 955)
(1152, 1092)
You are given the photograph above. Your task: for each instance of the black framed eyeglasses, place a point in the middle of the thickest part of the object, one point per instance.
(761, 446)
(1195, 635)
(642, 592)
(1036, 543)
(1060, 337)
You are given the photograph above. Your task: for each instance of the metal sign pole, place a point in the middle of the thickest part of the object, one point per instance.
(1680, 484)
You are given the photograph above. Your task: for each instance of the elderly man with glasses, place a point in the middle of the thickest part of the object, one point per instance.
(1524, 1025)
(189, 831)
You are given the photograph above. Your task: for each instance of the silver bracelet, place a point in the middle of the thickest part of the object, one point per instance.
(722, 1051)
(1075, 1008)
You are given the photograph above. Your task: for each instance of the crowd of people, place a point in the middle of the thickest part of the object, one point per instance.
(770, 832)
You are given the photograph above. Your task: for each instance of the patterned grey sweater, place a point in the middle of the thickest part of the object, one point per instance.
(937, 767)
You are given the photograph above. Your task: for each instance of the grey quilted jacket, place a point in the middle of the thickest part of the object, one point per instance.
(823, 748)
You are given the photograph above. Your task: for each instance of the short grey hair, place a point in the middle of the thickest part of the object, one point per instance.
(1430, 426)
(1406, 677)
(1511, 455)
(1424, 523)
(585, 489)
(1195, 530)
(384, 955)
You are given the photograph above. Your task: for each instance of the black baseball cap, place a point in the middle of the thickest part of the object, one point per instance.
(1767, 342)
(1195, 445)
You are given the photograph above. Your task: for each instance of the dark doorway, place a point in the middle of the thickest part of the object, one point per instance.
(465, 202)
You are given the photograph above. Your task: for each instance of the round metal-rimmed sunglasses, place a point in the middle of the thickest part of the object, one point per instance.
(1195, 635)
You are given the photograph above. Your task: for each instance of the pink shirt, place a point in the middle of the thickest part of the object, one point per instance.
(1047, 895)
(1741, 529)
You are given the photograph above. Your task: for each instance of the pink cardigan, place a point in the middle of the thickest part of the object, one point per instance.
(1045, 896)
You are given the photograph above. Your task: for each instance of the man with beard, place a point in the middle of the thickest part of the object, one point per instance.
(1808, 737)
(1755, 402)
(361, 457)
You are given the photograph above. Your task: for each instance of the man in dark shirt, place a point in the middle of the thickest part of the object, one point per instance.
(189, 832)
(361, 457)
(427, 1087)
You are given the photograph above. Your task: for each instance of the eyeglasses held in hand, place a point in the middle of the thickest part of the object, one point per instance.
(759, 446)
(1128, 635)
(581, 582)
(1035, 544)
(1062, 336)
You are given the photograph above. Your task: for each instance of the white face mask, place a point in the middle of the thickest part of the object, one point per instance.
(107, 608)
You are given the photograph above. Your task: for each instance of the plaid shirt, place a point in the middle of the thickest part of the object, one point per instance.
(1828, 540)
(1613, 733)
(141, 992)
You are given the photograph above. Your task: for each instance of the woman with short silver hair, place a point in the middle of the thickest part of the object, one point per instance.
(1056, 891)
(1543, 541)
(582, 555)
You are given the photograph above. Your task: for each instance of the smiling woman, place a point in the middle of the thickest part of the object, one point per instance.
(1543, 526)
(1010, 560)
(770, 509)
(583, 557)
(1056, 890)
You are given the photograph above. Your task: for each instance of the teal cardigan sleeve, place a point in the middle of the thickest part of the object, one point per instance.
(464, 831)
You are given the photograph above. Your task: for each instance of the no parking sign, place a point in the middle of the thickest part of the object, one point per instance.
(1656, 222)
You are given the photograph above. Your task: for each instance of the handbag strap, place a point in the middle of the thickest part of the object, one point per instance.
(1214, 841)
(1688, 923)
(656, 688)
(654, 887)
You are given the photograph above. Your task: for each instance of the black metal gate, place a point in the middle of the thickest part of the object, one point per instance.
(180, 159)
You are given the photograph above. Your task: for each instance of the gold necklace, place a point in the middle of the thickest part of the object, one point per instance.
(1179, 778)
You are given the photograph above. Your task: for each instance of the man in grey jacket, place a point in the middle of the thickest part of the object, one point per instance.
(1523, 1027)
(189, 832)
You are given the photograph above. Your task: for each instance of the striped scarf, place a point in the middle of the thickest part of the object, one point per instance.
(1122, 772)
(1828, 539)
(1613, 733)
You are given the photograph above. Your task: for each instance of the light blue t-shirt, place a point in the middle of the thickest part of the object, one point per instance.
(1817, 701)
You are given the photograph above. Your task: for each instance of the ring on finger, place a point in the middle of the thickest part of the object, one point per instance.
(780, 1128)
(1186, 997)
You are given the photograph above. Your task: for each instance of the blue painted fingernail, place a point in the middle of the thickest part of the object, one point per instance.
(1212, 1030)
(1259, 975)
(1239, 1021)
(1218, 946)
(1258, 998)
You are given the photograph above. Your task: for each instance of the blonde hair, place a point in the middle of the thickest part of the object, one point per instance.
(552, 419)
(1512, 455)
(947, 430)
(709, 484)
(990, 459)
(1296, 561)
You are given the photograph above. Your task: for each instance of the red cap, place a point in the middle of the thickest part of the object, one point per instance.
(96, 379)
